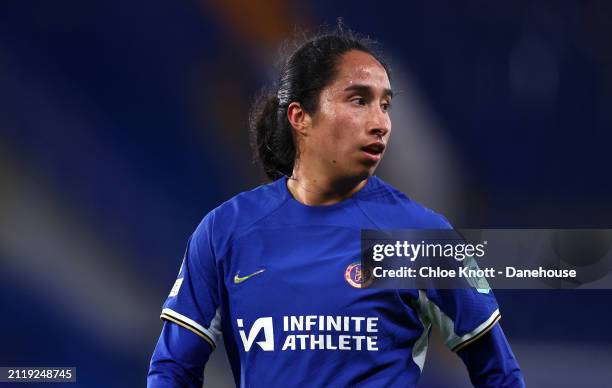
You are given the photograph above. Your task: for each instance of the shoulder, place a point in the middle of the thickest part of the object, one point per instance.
(400, 211)
(240, 212)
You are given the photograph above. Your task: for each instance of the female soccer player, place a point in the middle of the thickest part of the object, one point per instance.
(276, 270)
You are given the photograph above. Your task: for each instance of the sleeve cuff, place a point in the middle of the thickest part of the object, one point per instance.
(460, 342)
(189, 324)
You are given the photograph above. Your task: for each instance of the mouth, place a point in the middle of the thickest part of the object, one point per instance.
(374, 150)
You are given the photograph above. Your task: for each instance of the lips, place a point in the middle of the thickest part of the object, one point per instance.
(375, 148)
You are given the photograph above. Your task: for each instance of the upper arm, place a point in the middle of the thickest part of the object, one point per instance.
(462, 315)
(193, 302)
(191, 315)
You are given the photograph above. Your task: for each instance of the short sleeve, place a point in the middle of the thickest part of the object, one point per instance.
(193, 302)
(462, 315)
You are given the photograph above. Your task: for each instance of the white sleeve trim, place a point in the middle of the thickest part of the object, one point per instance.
(213, 333)
(447, 325)
(459, 342)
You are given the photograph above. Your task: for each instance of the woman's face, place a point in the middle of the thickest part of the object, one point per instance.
(351, 128)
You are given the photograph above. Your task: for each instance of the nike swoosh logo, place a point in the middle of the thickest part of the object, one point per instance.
(238, 279)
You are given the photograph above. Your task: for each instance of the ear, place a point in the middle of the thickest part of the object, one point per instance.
(298, 118)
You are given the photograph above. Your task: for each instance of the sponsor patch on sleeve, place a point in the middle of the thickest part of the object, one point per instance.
(177, 286)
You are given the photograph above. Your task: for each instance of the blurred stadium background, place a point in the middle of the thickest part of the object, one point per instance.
(123, 123)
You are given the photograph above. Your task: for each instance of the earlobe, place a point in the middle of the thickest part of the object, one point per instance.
(298, 118)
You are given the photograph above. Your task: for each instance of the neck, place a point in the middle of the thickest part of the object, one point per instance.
(316, 190)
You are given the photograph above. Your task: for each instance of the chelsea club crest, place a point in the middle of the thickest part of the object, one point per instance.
(356, 276)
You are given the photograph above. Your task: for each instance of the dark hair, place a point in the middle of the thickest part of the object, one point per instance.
(303, 73)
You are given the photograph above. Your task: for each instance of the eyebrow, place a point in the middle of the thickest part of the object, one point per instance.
(367, 89)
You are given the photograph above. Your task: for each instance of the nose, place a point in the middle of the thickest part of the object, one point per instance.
(380, 123)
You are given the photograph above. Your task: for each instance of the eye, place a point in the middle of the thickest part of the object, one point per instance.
(358, 101)
(386, 106)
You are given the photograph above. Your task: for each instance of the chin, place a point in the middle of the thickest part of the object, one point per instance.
(360, 172)
(364, 174)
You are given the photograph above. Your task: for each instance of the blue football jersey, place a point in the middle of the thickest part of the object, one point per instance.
(280, 281)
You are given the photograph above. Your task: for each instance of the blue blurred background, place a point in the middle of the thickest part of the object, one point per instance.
(122, 123)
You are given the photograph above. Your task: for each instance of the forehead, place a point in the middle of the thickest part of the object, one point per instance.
(362, 68)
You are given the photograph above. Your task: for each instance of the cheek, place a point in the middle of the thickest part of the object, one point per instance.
(336, 129)
(343, 130)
